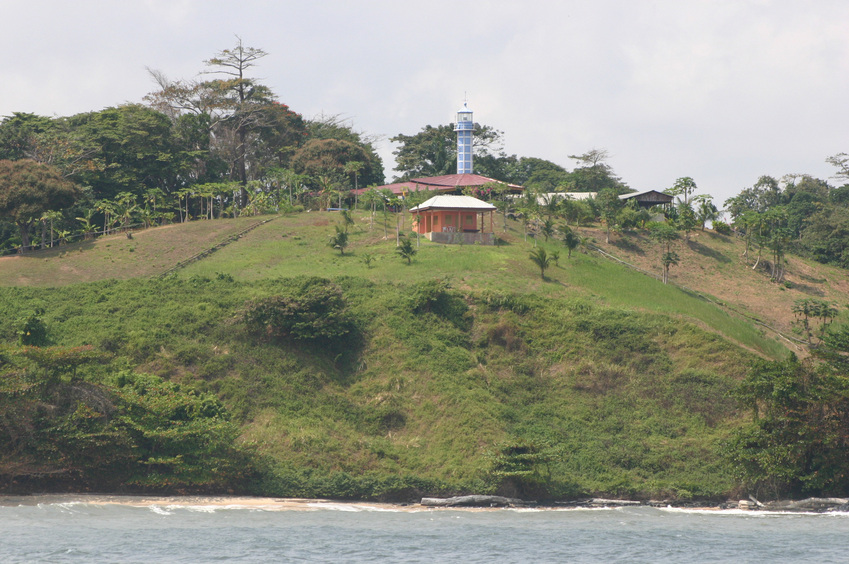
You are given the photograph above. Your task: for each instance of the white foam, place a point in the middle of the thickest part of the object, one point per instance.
(160, 510)
(353, 508)
(748, 512)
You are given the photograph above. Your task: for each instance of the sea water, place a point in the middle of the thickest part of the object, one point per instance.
(65, 529)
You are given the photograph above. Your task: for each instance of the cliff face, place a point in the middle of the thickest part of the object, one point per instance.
(463, 372)
(429, 389)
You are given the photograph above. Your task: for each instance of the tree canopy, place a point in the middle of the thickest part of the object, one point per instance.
(28, 189)
(433, 150)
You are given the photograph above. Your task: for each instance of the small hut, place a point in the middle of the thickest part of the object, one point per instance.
(648, 198)
(455, 219)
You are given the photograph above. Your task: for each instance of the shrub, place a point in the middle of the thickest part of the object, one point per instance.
(435, 296)
(32, 331)
(721, 227)
(314, 310)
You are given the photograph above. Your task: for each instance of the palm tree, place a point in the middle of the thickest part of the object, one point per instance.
(148, 216)
(406, 250)
(371, 197)
(542, 259)
(52, 216)
(152, 195)
(552, 205)
(63, 236)
(547, 228)
(346, 219)
(571, 241)
(668, 259)
(339, 240)
(388, 197)
(327, 189)
(354, 167)
(88, 228)
(126, 207)
(107, 208)
(184, 193)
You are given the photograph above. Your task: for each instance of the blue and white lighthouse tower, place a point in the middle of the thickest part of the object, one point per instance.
(464, 127)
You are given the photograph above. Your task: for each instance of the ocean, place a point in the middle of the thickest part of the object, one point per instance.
(137, 529)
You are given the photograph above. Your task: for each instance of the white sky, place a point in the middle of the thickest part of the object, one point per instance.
(720, 90)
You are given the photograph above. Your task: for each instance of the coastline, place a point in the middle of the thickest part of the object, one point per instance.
(294, 504)
(810, 505)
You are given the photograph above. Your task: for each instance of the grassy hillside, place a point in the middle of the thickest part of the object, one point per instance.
(461, 372)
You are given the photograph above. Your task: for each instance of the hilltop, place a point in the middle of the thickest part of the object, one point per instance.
(711, 264)
(464, 371)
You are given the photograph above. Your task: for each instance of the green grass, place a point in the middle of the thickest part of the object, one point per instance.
(296, 245)
(623, 382)
(149, 253)
(428, 394)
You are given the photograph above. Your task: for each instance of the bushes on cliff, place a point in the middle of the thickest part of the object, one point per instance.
(312, 309)
(58, 430)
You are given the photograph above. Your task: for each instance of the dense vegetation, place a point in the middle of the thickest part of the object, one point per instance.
(258, 371)
(394, 368)
(410, 387)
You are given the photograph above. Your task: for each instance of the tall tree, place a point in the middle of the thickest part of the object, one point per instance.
(841, 162)
(687, 220)
(764, 194)
(705, 209)
(235, 118)
(682, 188)
(798, 438)
(328, 158)
(29, 189)
(609, 205)
(335, 127)
(593, 174)
(20, 134)
(534, 173)
(665, 234)
(243, 97)
(132, 150)
(433, 150)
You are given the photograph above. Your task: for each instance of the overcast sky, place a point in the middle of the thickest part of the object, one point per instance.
(723, 91)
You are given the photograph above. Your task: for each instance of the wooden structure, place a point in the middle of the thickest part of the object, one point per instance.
(455, 220)
(648, 198)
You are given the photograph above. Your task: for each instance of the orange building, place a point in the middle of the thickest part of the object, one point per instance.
(455, 219)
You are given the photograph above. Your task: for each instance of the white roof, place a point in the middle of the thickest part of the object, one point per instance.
(447, 201)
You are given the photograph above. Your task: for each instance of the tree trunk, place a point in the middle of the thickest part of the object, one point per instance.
(242, 168)
(23, 227)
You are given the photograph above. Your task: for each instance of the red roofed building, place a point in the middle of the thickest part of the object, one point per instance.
(446, 184)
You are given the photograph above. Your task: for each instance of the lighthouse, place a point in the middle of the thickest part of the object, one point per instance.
(464, 127)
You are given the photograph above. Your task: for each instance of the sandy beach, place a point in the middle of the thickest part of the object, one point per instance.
(240, 502)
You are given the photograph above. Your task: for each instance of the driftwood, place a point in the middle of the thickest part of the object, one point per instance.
(473, 501)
